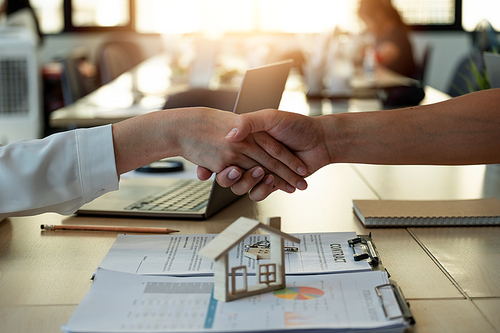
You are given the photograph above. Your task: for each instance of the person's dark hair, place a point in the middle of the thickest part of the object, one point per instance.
(13, 6)
(368, 7)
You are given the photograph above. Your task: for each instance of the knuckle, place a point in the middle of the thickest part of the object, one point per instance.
(279, 183)
(276, 149)
(231, 154)
(273, 164)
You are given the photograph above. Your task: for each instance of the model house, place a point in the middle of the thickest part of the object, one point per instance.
(269, 275)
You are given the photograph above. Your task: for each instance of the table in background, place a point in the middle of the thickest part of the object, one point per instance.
(146, 88)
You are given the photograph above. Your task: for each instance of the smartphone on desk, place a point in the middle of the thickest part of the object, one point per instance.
(164, 165)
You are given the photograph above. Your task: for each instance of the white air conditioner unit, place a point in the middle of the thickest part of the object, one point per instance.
(20, 116)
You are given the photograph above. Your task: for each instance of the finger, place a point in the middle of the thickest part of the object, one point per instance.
(259, 190)
(262, 190)
(280, 184)
(229, 176)
(279, 151)
(250, 123)
(248, 180)
(275, 166)
(203, 173)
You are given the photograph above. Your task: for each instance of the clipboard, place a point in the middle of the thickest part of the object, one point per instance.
(362, 286)
(364, 248)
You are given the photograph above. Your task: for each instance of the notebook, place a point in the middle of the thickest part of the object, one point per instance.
(492, 63)
(261, 88)
(405, 213)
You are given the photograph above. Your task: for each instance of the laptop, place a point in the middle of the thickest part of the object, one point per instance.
(492, 63)
(261, 88)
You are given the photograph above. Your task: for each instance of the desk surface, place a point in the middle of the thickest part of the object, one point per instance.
(449, 275)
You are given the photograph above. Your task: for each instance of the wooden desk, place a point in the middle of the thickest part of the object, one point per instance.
(449, 275)
(467, 255)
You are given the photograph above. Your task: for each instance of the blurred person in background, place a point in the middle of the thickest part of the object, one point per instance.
(392, 46)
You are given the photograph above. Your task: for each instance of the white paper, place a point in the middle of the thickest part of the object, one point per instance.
(124, 302)
(178, 254)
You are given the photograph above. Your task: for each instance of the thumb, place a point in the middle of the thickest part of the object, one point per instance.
(250, 123)
(203, 173)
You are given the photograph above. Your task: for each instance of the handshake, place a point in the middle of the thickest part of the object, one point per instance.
(287, 147)
(258, 152)
(263, 151)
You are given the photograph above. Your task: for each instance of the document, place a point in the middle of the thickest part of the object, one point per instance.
(178, 254)
(125, 302)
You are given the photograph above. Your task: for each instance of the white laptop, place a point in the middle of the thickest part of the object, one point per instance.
(492, 63)
(261, 88)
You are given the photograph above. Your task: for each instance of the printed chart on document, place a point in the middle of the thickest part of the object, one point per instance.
(187, 306)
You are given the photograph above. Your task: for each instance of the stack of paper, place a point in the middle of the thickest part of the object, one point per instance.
(326, 290)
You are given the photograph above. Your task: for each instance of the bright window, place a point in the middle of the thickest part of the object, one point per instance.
(425, 12)
(50, 15)
(98, 13)
(190, 16)
(222, 16)
(476, 10)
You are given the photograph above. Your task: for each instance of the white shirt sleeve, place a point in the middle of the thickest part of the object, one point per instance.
(59, 173)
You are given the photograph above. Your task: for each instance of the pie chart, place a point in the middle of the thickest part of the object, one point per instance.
(299, 293)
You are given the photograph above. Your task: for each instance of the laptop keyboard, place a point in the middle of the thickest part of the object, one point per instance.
(186, 196)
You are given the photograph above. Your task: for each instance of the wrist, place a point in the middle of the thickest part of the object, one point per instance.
(144, 139)
(167, 130)
(335, 137)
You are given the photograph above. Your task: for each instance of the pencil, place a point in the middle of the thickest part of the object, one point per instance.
(106, 228)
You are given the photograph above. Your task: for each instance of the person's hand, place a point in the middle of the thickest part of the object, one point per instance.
(304, 136)
(206, 146)
(242, 181)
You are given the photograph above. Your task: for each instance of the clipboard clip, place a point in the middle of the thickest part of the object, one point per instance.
(402, 310)
(369, 251)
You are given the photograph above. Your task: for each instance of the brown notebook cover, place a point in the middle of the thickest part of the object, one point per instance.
(404, 213)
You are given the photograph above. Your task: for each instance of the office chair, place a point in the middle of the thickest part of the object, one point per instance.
(72, 81)
(115, 58)
(402, 96)
(421, 67)
(217, 99)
